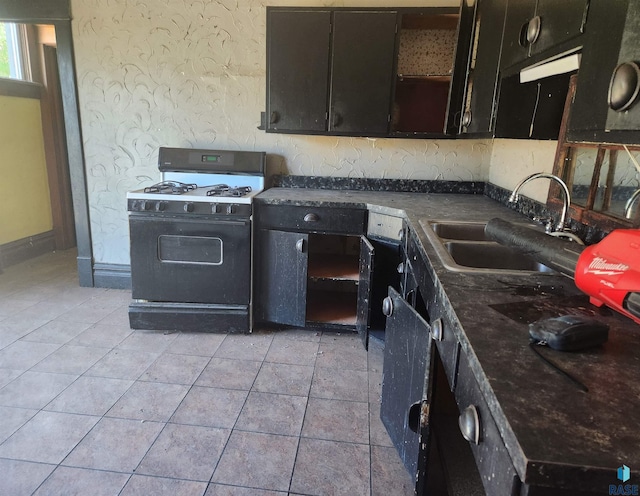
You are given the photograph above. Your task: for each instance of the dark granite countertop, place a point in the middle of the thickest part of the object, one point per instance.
(553, 430)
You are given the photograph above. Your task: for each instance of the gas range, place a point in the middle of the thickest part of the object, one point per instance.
(202, 182)
(191, 241)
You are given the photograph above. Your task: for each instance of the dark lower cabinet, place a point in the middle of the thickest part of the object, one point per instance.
(406, 383)
(312, 267)
(281, 290)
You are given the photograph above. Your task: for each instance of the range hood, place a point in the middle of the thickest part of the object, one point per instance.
(566, 62)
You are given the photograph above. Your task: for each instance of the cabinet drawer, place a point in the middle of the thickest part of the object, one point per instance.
(492, 459)
(312, 219)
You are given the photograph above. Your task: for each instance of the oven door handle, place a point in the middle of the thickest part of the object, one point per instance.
(188, 219)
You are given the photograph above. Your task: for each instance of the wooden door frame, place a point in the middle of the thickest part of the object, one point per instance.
(58, 14)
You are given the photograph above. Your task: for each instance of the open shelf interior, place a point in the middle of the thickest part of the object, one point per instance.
(332, 307)
(426, 54)
(333, 274)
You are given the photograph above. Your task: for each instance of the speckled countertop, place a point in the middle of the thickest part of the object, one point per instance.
(552, 430)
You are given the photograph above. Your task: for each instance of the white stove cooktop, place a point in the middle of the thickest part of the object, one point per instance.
(205, 183)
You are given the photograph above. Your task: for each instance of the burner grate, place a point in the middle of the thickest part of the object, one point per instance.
(226, 190)
(170, 188)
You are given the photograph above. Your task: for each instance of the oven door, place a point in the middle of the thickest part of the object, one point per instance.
(190, 259)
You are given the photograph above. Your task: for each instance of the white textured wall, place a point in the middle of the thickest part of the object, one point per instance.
(191, 73)
(513, 160)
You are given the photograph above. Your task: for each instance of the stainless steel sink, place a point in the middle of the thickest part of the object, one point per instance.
(463, 247)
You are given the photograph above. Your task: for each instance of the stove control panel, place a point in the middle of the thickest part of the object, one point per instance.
(189, 208)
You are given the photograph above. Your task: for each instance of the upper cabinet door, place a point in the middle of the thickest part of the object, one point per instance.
(514, 44)
(623, 98)
(362, 72)
(483, 68)
(559, 22)
(298, 45)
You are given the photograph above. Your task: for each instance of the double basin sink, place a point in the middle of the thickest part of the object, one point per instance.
(464, 247)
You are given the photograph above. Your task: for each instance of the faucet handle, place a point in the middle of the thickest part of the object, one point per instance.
(547, 222)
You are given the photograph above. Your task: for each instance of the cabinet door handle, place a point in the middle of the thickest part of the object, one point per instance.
(466, 118)
(624, 86)
(469, 422)
(387, 306)
(400, 268)
(311, 217)
(533, 29)
(300, 245)
(414, 416)
(274, 117)
(437, 330)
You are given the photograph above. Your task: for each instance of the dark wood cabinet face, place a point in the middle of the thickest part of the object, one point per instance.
(599, 58)
(281, 265)
(405, 382)
(514, 46)
(363, 310)
(560, 22)
(361, 72)
(484, 66)
(629, 120)
(298, 44)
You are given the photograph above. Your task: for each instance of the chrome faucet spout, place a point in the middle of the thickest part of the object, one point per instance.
(566, 201)
(628, 207)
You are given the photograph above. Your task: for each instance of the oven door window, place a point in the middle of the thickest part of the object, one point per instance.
(190, 250)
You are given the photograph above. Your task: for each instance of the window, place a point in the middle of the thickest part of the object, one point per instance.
(13, 52)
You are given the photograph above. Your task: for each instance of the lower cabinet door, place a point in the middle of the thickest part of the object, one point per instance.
(364, 290)
(281, 260)
(406, 382)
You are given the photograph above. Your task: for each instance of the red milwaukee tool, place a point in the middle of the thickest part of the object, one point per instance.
(608, 271)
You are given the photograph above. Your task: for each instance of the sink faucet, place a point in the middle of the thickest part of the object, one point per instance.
(628, 207)
(561, 225)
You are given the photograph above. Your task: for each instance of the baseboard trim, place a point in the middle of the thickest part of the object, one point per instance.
(21, 250)
(112, 276)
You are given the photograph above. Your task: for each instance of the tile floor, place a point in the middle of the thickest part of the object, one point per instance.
(88, 406)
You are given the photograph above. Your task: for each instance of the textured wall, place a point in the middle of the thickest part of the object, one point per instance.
(189, 73)
(513, 160)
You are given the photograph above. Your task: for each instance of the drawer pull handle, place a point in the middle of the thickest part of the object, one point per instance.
(469, 423)
(387, 306)
(311, 218)
(437, 330)
(533, 29)
(300, 245)
(624, 86)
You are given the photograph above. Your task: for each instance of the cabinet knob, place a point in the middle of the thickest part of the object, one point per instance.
(387, 306)
(311, 217)
(300, 245)
(437, 330)
(533, 29)
(274, 117)
(466, 118)
(469, 423)
(400, 268)
(624, 86)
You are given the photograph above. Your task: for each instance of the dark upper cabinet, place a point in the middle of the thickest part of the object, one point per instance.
(367, 72)
(624, 107)
(514, 45)
(298, 44)
(362, 59)
(602, 45)
(484, 61)
(541, 29)
(329, 71)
